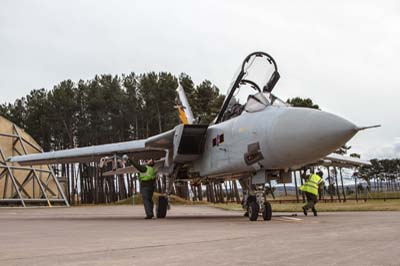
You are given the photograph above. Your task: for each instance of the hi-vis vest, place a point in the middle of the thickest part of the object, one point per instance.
(150, 174)
(311, 186)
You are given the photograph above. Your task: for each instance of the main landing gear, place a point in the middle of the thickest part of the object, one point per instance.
(162, 207)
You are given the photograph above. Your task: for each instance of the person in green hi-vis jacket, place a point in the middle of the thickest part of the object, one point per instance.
(310, 188)
(147, 177)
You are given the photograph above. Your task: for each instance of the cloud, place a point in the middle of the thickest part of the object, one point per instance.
(388, 151)
(396, 146)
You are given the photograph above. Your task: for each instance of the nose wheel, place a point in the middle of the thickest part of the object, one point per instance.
(267, 212)
(253, 211)
(256, 204)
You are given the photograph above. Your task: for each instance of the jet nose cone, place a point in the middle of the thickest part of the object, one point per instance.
(303, 135)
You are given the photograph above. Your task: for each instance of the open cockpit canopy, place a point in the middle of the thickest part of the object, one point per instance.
(251, 88)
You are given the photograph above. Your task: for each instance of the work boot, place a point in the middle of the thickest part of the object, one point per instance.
(304, 210)
(148, 217)
(314, 211)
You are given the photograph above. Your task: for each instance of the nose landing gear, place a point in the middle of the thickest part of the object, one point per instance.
(255, 203)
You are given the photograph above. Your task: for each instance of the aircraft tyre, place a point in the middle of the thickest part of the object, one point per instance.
(267, 213)
(162, 206)
(253, 210)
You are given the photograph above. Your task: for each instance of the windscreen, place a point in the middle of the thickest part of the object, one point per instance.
(258, 72)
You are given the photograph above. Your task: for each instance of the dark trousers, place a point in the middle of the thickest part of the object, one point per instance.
(311, 201)
(147, 195)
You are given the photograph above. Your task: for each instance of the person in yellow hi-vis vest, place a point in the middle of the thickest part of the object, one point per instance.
(147, 177)
(310, 188)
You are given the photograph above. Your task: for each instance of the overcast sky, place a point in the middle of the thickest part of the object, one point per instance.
(344, 55)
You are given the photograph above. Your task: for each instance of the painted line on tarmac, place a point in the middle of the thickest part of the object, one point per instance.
(288, 219)
(292, 218)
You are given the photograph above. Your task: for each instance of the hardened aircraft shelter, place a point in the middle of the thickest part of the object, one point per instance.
(20, 185)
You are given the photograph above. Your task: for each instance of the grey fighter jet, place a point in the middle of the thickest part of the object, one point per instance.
(250, 142)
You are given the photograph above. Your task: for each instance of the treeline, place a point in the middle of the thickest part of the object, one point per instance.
(108, 109)
(383, 168)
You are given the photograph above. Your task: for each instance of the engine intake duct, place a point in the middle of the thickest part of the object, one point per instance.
(189, 142)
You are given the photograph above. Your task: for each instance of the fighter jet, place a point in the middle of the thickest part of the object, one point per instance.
(249, 142)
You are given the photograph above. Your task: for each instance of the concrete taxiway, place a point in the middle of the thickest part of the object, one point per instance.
(118, 235)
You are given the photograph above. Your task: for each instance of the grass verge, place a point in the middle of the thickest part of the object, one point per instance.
(370, 205)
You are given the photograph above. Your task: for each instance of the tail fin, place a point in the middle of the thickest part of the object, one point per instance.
(184, 110)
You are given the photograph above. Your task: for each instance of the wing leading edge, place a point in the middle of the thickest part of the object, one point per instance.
(345, 160)
(153, 147)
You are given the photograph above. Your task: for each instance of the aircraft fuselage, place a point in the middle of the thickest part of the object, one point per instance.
(278, 137)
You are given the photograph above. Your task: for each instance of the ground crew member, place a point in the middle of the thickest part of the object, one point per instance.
(310, 188)
(147, 177)
(321, 187)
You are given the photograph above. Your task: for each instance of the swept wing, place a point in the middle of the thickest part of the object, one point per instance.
(154, 147)
(345, 160)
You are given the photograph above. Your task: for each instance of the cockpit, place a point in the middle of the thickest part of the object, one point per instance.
(245, 93)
